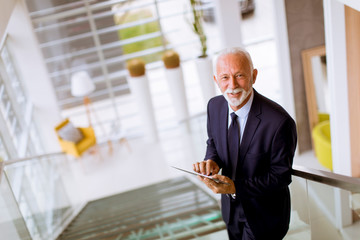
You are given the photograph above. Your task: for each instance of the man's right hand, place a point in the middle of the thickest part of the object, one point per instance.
(208, 167)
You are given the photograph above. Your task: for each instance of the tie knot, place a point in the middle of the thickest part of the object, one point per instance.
(233, 116)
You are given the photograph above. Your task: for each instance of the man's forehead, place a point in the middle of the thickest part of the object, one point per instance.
(232, 59)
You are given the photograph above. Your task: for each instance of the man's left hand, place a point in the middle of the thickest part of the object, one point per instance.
(219, 187)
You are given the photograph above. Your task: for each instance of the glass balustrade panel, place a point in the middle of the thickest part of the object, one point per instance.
(299, 218)
(46, 193)
(354, 229)
(355, 204)
(321, 201)
(12, 224)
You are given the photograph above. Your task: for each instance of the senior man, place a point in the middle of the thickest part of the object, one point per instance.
(253, 140)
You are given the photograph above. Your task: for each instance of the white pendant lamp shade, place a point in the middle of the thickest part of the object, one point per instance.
(81, 84)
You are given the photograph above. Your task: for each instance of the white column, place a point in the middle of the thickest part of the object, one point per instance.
(338, 86)
(283, 57)
(334, 19)
(204, 68)
(228, 21)
(175, 80)
(139, 87)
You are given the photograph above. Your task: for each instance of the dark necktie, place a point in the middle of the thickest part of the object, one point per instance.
(233, 143)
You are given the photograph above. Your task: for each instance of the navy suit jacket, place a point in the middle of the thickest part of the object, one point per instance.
(263, 168)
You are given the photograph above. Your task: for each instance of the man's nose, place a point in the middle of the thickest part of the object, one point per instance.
(232, 83)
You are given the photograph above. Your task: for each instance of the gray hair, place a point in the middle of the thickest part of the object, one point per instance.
(232, 50)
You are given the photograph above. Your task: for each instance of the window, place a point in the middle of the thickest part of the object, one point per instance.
(7, 110)
(15, 110)
(15, 84)
(100, 37)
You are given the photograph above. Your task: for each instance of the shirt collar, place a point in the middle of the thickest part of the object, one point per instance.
(244, 110)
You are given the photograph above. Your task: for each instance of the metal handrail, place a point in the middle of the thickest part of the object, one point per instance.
(351, 184)
(13, 161)
(18, 160)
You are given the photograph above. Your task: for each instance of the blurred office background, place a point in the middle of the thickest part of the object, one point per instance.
(123, 187)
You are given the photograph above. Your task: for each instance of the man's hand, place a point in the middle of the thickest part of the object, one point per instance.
(219, 187)
(208, 167)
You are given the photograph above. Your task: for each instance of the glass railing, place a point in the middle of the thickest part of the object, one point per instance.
(44, 194)
(324, 205)
(39, 196)
(12, 224)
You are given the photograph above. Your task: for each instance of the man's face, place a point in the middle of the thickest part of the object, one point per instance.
(235, 79)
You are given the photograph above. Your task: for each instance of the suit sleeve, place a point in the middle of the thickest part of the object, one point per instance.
(211, 152)
(281, 158)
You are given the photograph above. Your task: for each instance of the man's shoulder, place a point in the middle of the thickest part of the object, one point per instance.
(216, 101)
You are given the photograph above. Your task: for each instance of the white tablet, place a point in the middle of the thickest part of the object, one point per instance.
(202, 175)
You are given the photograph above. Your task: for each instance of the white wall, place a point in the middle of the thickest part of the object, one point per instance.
(27, 56)
(6, 9)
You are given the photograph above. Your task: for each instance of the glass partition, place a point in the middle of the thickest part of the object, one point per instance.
(321, 201)
(313, 211)
(299, 221)
(12, 224)
(355, 204)
(46, 194)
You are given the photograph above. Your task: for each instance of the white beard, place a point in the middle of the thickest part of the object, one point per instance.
(235, 102)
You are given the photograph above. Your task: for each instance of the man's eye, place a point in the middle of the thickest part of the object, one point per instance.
(224, 77)
(238, 75)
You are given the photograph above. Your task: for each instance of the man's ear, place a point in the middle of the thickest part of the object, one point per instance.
(215, 79)
(255, 72)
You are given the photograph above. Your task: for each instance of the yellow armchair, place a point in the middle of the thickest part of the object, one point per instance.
(76, 149)
(322, 143)
(323, 116)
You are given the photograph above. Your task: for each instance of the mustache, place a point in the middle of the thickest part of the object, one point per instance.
(233, 91)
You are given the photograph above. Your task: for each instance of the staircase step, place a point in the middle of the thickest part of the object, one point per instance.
(173, 209)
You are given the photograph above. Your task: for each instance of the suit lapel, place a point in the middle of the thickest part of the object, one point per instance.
(252, 124)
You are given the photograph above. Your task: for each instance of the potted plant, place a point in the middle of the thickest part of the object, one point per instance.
(197, 25)
(203, 62)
